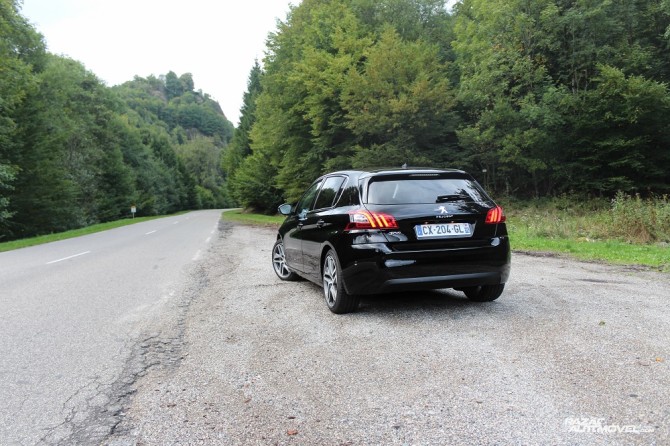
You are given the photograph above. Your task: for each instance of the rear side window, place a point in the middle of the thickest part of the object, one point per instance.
(349, 197)
(328, 192)
(424, 190)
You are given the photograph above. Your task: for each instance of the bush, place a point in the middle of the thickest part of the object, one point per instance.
(631, 219)
(639, 220)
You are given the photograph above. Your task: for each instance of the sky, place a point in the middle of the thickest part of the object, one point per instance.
(215, 40)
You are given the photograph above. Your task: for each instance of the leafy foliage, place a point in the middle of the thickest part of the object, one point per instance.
(237, 154)
(399, 103)
(564, 96)
(74, 152)
(21, 56)
(535, 98)
(343, 87)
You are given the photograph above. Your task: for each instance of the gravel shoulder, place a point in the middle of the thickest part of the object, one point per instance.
(572, 353)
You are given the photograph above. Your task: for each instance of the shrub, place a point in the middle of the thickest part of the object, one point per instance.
(640, 220)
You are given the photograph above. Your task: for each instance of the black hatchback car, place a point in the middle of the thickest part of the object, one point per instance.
(369, 232)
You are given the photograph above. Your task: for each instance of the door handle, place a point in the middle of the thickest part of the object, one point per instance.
(320, 223)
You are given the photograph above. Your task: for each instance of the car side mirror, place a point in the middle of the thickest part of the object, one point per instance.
(285, 209)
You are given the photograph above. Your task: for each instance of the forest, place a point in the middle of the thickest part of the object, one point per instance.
(535, 98)
(74, 151)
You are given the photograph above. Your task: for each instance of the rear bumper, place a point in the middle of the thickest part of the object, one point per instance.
(375, 269)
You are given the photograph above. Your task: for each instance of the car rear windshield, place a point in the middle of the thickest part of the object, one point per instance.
(424, 190)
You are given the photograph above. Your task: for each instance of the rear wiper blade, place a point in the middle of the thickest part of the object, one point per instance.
(452, 197)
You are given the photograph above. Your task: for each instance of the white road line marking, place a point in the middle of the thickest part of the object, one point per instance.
(208, 239)
(151, 232)
(175, 223)
(197, 255)
(70, 257)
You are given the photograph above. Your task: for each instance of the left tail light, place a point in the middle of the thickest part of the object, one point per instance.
(495, 216)
(370, 220)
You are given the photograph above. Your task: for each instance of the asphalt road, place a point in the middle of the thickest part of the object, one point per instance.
(74, 315)
(572, 354)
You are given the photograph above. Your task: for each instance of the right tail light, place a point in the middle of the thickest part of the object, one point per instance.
(495, 216)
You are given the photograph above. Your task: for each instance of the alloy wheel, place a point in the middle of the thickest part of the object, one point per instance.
(279, 262)
(330, 281)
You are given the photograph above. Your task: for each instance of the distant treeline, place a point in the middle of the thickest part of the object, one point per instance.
(74, 151)
(535, 98)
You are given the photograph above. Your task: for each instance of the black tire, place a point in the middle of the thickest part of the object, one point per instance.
(484, 293)
(337, 299)
(279, 262)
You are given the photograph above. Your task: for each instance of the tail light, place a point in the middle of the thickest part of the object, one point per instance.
(370, 220)
(495, 216)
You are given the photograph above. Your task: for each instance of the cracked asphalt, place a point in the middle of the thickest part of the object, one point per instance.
(572, 354)
(81, 320)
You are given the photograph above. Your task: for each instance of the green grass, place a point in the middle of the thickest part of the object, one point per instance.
(610, 251)
(625, 230)
(625, 218)
(241, 216)
(24, 243)
(589, 230)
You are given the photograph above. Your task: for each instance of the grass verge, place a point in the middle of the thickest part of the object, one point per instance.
(240, 216)
(609, 251)
(39, 240)
(626, 230)
(531, 228)
(546, 234)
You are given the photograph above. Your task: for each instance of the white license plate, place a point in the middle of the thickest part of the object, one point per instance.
(443, 230)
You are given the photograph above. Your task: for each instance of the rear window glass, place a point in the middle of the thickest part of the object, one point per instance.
(424, 190)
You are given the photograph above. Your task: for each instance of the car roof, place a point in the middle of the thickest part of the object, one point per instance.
(364, 173)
